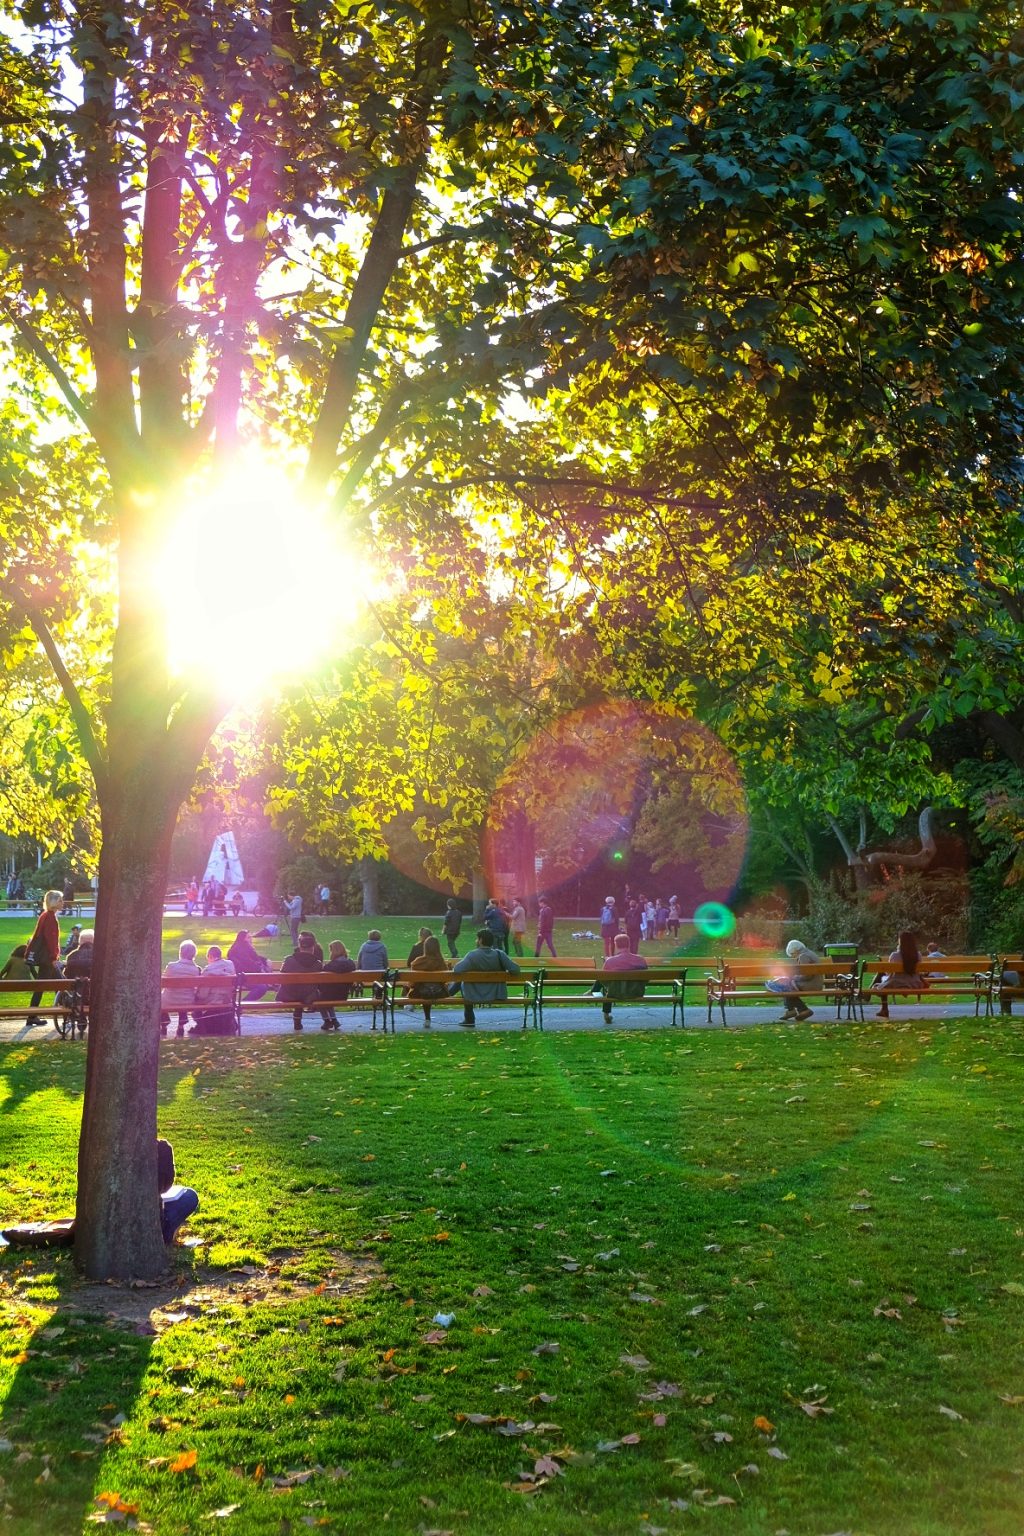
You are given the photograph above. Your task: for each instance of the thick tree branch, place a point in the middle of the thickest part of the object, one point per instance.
(39, 349)
(91, 749)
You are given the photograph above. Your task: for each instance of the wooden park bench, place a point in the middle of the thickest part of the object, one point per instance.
(524, 990)
(744, 981)
(64, 1011)
(661, 985)
(368, 993)
(1006, 991)
(970, 977)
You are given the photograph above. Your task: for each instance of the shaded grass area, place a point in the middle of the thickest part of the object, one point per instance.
(751, 1284)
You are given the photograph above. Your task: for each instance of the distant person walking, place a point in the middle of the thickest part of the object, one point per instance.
(545, 928)
(452, 925)
(517, 925)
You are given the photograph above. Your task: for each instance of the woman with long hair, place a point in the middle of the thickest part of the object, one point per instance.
(425, 992)
(907, 978)
(44, 945)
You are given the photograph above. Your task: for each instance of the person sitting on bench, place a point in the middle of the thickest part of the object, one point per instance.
(622, 960)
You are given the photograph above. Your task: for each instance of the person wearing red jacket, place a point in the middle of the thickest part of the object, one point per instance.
(44, 945)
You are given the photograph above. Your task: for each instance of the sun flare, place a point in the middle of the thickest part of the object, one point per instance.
(254, 580)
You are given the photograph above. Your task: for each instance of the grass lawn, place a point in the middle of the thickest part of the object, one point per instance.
(699, 1282)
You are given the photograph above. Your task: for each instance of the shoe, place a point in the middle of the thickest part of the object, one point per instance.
(467, 1024)
(805, 1013)
(297, 1028)
(328, 1026)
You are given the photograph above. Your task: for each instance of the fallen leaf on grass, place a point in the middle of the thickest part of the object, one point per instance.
(1012, 1402)
(773, 1450)
(482, 1290)
(547, 1348)
(185, 1462)
(435, 1336)
(638, 1362)
(764, 1425)
(1013, 1288)
(222, 1513)
(816, 1409)
(950, 1413)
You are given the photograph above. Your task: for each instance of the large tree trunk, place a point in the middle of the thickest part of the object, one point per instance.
(117, 1225)
(369, 876)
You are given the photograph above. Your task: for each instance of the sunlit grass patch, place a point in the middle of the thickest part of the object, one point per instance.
(660, 1261)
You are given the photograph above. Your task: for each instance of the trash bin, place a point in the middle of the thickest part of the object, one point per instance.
(841, 951)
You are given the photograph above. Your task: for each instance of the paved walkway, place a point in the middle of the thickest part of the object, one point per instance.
(409, 1020)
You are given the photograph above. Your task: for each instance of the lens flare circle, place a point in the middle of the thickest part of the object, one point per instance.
(714, 921)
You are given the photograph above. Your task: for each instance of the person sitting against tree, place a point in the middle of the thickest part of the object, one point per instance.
(177, 1201)
(425, 991)
(302, 961)
(214, 1012)
(44, 945)
(623, 959)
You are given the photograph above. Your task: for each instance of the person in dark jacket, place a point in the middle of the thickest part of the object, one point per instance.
(452, 926)
(417, 949)
(78, 964)
(302, 960)
(339, 964)
(246, 959)
(545, 928)
(495, 919)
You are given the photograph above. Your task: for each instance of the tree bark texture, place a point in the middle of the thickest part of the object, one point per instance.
(117, 1218)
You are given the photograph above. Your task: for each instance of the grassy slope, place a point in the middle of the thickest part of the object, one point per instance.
(760, 1205)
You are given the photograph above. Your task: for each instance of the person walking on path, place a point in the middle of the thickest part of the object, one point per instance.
(452, 926)
(484, 958)
(44, 945)
(545, 928)
(517, 925)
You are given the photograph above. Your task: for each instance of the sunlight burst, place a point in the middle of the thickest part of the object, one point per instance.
(254, 580)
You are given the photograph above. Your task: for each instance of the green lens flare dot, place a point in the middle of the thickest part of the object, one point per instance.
(713, 920)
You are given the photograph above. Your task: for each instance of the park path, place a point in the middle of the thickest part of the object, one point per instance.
(587, 1016)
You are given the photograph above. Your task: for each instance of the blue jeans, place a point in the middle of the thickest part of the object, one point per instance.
(176, 1205)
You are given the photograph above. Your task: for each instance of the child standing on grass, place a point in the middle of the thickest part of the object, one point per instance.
(18, 967)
